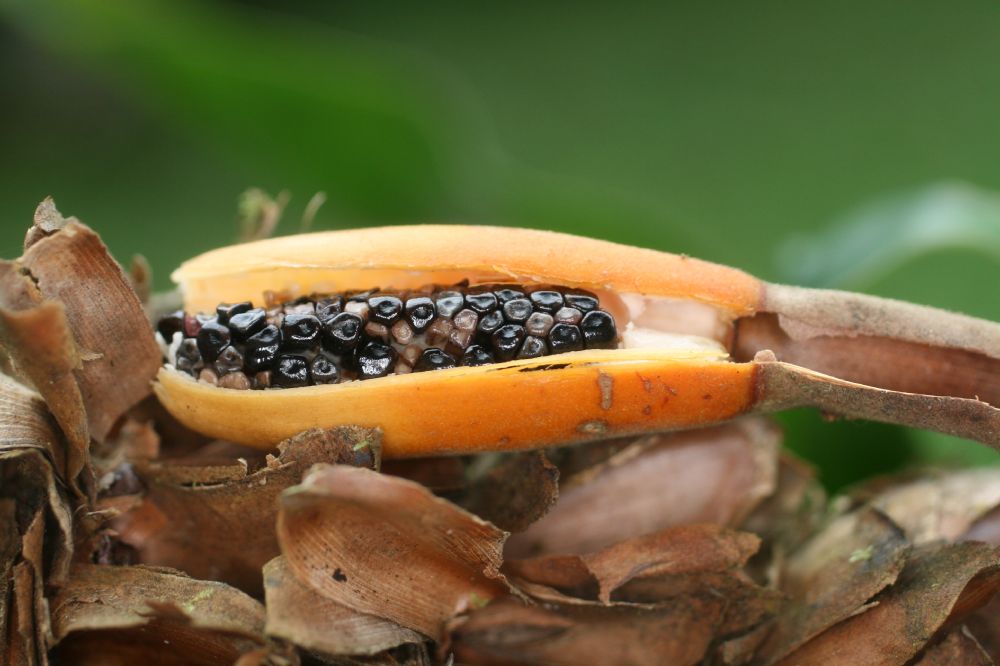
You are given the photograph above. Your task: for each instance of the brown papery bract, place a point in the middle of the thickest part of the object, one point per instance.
(516, 492)
(715, 475)
(181, 517)
(959, 648)
(387, 547)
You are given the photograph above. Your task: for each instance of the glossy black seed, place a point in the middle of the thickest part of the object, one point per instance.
(477, 355)
(245, 324)
(262, 349)
(212, 339)
(385, 309)
(482, 303)
(341, 334)
(375, 359)
(188, 357)
(225, 311)
(170, 324)
(582, 302)
(434, 359)
(290, 371)
(230, 360)
(517, 310)
(505, 295)
(328, 308)
(565, 338)
(448, 303)
(507, 341)
(533, 347)
(420, 312)
(300, 331)
(599, 330)
(490, 322)
(323, 370)
(547, 301)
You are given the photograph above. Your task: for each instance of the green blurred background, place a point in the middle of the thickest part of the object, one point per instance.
(849, 144)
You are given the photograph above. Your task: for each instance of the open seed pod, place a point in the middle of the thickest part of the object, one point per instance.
(689, 343)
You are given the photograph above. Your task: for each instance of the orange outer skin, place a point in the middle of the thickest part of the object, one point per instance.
(403, 257)
(516, 405)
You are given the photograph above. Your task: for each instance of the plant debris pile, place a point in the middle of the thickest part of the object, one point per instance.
(125, 538)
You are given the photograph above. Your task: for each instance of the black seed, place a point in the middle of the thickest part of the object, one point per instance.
(482, 303)
(507, 340)
(547, 301)
(533, 347)
(230, 360)
(582, 302)
(290, 371)
(599, 330)
(361, 295)
(170, 324)
(565, 338)
(328, 308)
(375, 360)
(323, 370)
(420, 312)
(262, 349)
(188, 357)
(490, 322)
(505, 295)
(434, 359)
(517, 310)
(245, 324)
(300, 331)
(448, 303)
(212, 339)
(477, 355)
(225, 311)
(385, 309)
(341, 334)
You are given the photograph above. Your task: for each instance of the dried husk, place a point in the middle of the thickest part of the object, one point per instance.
(516, 492)
(387, 547)
(958, 648)
(716, 475)
(189, 511)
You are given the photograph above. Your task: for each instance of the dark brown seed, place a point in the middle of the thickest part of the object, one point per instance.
(583, 302)
(170, 324)
(517, 310)
(225, 311)
(300, 307)
(410, 355)
(328, 308)
(482, 302)
(212, 339)
(191, 326)
(434, 359)
(376, 330)
(262, 380)
(464, 328)
(323, 370)
(448, 303)
(290, 371)
(546, 300)
(599, 330)
(568, 316)
(230, 360)
(359, 308)
(385, 309)
(188, 357)
(262, 348)
(300, 331)
(507, 341)
(208, 376)
(490, 322)
(235, 380)
(245, 324)
(504, 295)
(477, 355)
(533, 347)
(375, 360)
(420, 312)
(539, 324)
(565, 338)
(342, 333)
(438, 332)
(402, 332)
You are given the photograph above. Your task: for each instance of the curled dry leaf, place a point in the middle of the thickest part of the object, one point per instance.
(181, 518)
(714, 475)
(515, 493)
(959, 648)
(128, 615)
(833, 576)
(940, 583)
(298, 614)
(388, 547)
(985, 626)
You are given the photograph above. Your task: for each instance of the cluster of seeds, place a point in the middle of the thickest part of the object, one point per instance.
(324, 339)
